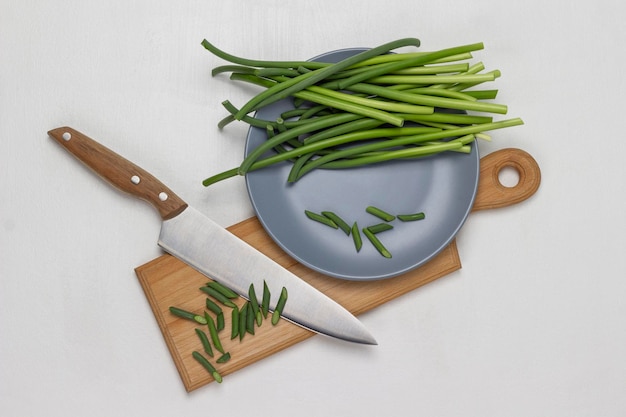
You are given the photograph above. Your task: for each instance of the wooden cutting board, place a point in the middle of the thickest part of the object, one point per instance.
(169, 282)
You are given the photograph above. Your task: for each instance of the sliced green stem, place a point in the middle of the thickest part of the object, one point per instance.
(338, 221)
(325, 122)
(297, 165)
(395, 107)
(279, 124)
(377, 243)
(426, 137)
(265, 303)
(243, 319)
(347, 138)
(387, 58)
(257, 62)
(292, 113)
(221, 176)
(271, 72)
(233, 68)
(179, 312)
(207, 365)
(433, 69)
(441, 92)
(224, 358)
(452, 118)
(225, 121)
(213, 307)
(356, 237)
(312, 111)
(381, 214)
(222, 289)
(408, 62)
(218, 296)
(385, 156)
(280, 305)
(406, 141)
(220, 321)
(425, 149)
(215, 338)
(473, 69)
(250, 318)
(481, 94)
(299, 83)
(429, 100)
(254, 301)
(356, 108)
(234, 325)
(430, 79)
(411, 217)
(379, 227)
(466, 85)
(321, 219)
(205, 342)
(357, 125)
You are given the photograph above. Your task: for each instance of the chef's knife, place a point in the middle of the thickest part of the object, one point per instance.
(204, 245)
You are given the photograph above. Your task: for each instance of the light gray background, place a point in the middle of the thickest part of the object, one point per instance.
(533, 325)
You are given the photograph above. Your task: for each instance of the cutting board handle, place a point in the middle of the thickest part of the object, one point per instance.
(492, 193)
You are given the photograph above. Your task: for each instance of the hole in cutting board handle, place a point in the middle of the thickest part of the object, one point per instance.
(509, 176)
(491, 193)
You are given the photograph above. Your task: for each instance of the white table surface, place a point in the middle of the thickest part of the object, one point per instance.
(534, 324)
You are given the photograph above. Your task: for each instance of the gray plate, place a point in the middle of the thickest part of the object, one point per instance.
(443, 187)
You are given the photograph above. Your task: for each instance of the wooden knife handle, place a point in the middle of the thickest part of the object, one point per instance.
(491, 193)
(120, 172)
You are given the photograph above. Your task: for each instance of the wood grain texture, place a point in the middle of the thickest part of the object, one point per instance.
(169, 282)
(119, 172)
(491, 193)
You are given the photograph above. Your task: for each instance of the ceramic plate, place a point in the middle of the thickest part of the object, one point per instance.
(441, 186)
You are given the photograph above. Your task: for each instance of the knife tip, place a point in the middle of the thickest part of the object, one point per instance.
(363, 337)
(371, 341)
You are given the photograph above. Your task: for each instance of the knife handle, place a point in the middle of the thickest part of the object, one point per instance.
(120, 172)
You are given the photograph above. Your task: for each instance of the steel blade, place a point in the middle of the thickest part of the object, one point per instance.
(215, 252)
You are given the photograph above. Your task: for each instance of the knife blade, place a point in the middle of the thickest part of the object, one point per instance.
(212, 250)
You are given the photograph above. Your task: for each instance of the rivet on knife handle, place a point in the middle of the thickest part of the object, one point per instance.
(120, 172)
